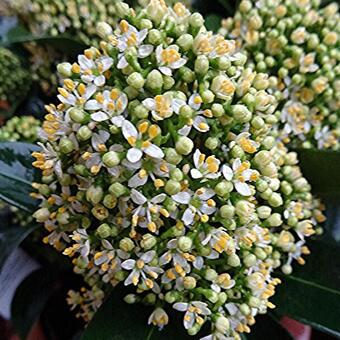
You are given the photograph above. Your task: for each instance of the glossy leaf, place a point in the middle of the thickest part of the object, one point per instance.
(213, 22)
(117, 320)
(311, 293)
(30, 299)
(17, 174)
(322, 169)
(10, 238)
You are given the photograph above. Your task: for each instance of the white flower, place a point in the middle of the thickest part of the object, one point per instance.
(199, 203)
(92, 69)
(205, 167)
(138, 145)
(141, 271)
(307, 63)
(193, 312)
(325, 137)
(169, 59)
(78, 96)
(161, 107)
(240, 174)
(222, 281)
(109, 103)
(158, 318)
(129, 36)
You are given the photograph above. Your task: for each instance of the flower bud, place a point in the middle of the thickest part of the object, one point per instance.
(263, 211)
(110, 201)
(249, 260)
(172, 156)
(275, 200)
(104, 29)
(154, 81)
(241, 113)
(274, 220)
(227, 211)
(184, 243)
(117, 189)
(172, 296)
(222, 324)
(148, 241)
(185, 42)
(196, 20)
(65, 69)
(287, 269)
(94, 194)
(77, 115)
(172, 187)
(184, 145)
(207, 96)
(136, 80)
(104, 231)
(210, 274)
(131, 299)
(42, 215)
(202, 65)
(66, 145)
(189, 282)
(233, 260)
(176, 174)
(126, 244)
(84, 133)
(155, 37)
(111, 159)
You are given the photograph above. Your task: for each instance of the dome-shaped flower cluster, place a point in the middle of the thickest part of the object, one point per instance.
(297, 43)
(20, 128)
(159, 173)
(15, 80)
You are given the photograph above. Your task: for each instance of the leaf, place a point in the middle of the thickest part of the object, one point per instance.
(213, 22)
(311, 294)
(332, 225)
(30, 299)
(117, 320)
(322, 169)
(62, 42)
(17, 174)
(10, 238)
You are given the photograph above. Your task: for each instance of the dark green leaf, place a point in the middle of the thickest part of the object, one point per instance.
(17, 174)
(10, 238)
(311, 294)
(62, 42)
(116, 320)
(213, 22)
(332, 225)
(30, 298)
(322, 169)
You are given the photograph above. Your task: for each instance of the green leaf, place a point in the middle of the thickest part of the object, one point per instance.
(17, 174)
(213, 22)
(30, 299)
(117, 320)
(62, 42)
(311, 294)
(10, 238)
(322, 169)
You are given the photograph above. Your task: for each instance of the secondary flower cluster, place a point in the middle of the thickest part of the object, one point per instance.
(297, 43)
(20, 128)
(15, 80)
(159, 173)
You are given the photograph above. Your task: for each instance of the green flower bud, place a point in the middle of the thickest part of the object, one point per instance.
(196, 20)
(254, 302)
(78, 115)
(100, 212)
(222, 324)
(84, 133)
(176, 174)
(131, 298)
(275, 200)
(154, 81)
(172, 156)
(186, 111)
(110, 201)
(189, 282)
(185, 42)
(104, 231)
(287, 269)
(194, 329)
(148, 241)
(172, 187)
(94, 194)
(263, 211)
(65, 69)
(241, 113)
(227, 211)
(210, 274)
(66, 145)
(257, 123)
(233, 260)
(184, 243)
(172, 296)
(260, 253)
(126, 244)
(117, 189)
(212, 143)
(111, 159)
(42, 215)
(249, 260)
(202, 65)
(262, 158)
(136, 80)
(207, 96)
(184, 145)
(104, 29)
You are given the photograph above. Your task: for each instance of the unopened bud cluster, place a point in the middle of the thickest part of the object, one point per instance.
(159, 173)
(297, 43)
(15, 80)
(20, 128)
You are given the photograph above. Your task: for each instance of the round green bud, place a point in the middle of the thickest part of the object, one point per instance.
(249, 260)
(104, 231)
(103, 29)
(136, 80)
(126, 244)
(189, 282)
(186, 111)
(141, 112)
(196, 20)
(227, 211)
(77, 115)
(184, 145)
(172, 156)
(241, 113)
(176, 174)
(287, 269)
(222, 324)
(172, 187)
(210, 274)
(84, 133)
(184, 243)
(131, 299)
(66, 145)
(274, 220)
(94, 194)
(155, 37)
(65, 69)
(117, 189)
(172, 296)
(207, 96)
(244, 309)
(185, 42)
(263, 212)
(275, 200)
(110, 201)
(202, 65)
(148, 241)
(233, 260)
(154, 81)
(111, 159)
(42, 215)
(212, 143)
(254, 302)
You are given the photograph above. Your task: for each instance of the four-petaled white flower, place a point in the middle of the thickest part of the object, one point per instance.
(139, 146)
(240, 174)
(199, 203)
(169, 59)
(78, 96)
(161, 107)
(193, 312)
(205, 167)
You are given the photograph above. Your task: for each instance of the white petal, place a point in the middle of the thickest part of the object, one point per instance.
(92, 105)
(185, 130)
(179, 63)
(148, 256)
(197, 122)
(189, 320)
(100, 80)
(144, 51)
(129, 130)
(136, 181)
(181, 306)
(118, 121)
(188, 216)
(243, 188)
(182, 197)
(134, 155)
(128, 264)
(196, 158)
(192, 101)
(154, 151)
(122, 63)
(99, 116)
(227, 172)
(137, 197)
(195, 174)
(149, 103)
(177, 104)
(158, 199)
(107, 62)
(166, 70)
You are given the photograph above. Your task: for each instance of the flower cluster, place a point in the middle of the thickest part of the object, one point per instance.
(159, 173)
(297, 43)
(20, 128)
(15, 80)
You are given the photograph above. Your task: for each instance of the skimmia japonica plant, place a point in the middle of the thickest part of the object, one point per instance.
(160, 173)
(296, 42)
